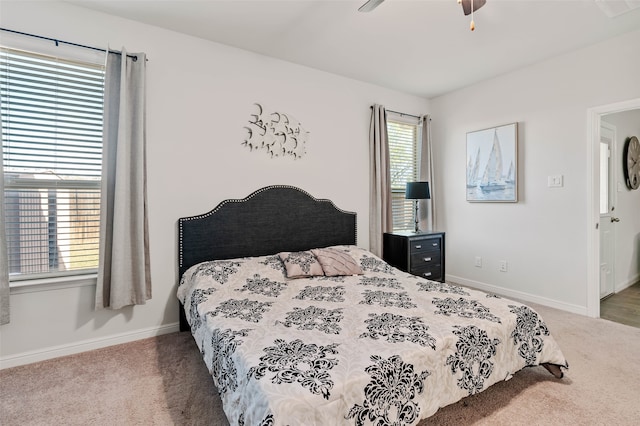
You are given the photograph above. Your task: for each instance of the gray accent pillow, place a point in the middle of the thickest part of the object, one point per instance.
(300, 264)
(336, 262)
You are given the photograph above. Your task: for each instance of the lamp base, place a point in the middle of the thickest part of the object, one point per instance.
(417, 227)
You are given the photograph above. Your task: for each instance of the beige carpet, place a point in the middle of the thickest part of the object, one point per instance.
(163, 381)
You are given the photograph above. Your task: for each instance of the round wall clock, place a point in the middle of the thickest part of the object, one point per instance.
(632, 162)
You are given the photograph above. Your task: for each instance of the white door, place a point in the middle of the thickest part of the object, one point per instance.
(607, 209)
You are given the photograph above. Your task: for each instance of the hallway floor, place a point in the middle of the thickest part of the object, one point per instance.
(623, 307)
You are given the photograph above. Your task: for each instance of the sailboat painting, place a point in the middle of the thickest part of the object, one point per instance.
(492, 164)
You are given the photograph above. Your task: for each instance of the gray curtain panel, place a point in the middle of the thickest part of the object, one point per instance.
(123, 271)
(380, 216)
(4, 261)
(427, 207)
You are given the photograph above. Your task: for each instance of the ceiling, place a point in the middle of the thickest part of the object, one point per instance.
(422, 47)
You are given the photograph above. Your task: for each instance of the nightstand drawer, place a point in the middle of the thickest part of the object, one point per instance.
(425, 259)
(433, 272)
(428, 244)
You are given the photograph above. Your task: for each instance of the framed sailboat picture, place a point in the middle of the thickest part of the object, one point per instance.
(492, 164)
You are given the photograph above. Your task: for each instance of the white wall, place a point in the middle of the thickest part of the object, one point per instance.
(200, 95)
(627, 250)
(543, 237)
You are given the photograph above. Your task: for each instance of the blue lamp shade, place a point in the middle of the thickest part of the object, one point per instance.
(417, 191)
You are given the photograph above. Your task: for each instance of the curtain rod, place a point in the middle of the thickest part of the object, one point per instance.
(56, 41)
(402, 113)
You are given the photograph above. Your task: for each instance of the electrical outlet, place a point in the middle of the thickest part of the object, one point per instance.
(503, 266)
(478, 262)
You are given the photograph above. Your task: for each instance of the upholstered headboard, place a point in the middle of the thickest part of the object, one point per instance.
(270, 220)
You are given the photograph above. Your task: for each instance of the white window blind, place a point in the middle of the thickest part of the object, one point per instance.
(52, 156)
(403, 144)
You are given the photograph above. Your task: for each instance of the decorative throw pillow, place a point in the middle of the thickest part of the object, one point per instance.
(300, 264)
(336, 262)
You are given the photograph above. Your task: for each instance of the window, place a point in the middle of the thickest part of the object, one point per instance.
(52, 156)
(604, 178)
(403, 156)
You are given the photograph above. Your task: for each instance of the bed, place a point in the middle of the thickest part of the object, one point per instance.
(350, 339)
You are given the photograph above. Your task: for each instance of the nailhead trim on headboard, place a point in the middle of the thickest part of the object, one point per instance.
(184, 220)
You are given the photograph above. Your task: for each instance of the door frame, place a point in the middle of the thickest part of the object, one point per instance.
(593, 198)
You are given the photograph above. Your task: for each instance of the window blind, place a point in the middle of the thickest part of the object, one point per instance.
(403, 143)
(52, 157)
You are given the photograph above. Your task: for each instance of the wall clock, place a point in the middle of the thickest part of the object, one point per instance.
(631, 162)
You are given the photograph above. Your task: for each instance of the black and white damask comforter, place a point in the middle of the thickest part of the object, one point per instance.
(383, 348)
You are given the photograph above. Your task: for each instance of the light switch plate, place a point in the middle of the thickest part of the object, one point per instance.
(555, 181)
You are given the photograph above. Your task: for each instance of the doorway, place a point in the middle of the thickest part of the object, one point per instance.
(607, 208)
(596, 279)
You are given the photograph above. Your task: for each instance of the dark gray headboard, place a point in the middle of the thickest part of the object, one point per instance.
(270, 220)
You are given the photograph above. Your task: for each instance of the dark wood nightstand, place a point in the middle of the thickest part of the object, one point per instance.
(419, 254)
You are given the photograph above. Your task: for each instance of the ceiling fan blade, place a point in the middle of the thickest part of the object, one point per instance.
(370, 5)
(477, 4)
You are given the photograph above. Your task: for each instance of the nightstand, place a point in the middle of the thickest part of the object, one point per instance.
(419, 254)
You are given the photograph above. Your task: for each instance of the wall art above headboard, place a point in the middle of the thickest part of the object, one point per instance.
(277, 133)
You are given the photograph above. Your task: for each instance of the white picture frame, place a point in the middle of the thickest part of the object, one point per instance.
(492, 164)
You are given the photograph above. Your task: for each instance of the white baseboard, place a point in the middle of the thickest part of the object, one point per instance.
(85, 345)
(627, 284)
(514, 294)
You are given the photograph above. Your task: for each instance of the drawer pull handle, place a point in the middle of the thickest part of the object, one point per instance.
(418, 246)
(427, 259)
(435, 244)
(427, 274)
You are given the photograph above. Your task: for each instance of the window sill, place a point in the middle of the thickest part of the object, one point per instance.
(50, 284)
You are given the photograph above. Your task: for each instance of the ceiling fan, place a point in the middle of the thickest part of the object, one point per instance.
(468, 7)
